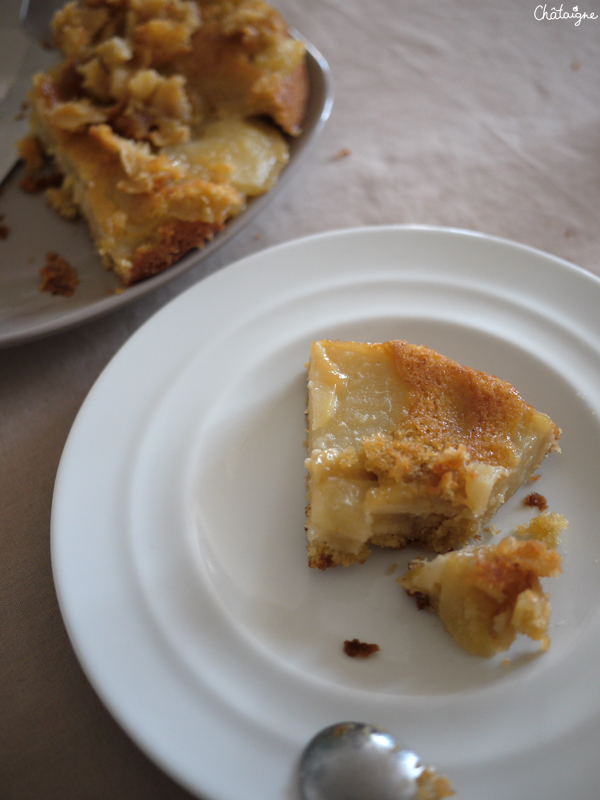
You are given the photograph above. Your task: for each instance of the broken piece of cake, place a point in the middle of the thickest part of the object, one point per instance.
(407, 446)
(486, 595)
(164, 117)
(546, 527)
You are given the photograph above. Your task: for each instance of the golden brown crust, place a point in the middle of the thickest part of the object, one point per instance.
(290, 98)
(40, 182)
(510, 567)
(455, 405)
(31, 152)
(176, 238)
(235, 78)
(321, 556)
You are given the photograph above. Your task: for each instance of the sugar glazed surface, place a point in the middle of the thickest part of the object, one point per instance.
(164, 117)
(409, 447)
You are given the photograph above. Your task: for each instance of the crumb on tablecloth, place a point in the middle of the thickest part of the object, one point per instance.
(342, 153)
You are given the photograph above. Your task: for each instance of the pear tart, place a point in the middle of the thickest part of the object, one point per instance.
(164, 117)
(409, 447)
(487, 595)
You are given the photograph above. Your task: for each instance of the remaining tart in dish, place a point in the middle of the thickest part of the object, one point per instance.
(407, 446)
(164, 117)
(487, 595)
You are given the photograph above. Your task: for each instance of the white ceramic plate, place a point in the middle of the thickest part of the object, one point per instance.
(26, 313)
(177, 527)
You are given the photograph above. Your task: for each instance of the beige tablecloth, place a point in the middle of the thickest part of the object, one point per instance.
(457, 113)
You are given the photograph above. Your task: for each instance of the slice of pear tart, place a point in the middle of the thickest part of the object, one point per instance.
(406, 446)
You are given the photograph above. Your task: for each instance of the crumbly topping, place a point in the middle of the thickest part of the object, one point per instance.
(488, 594)
(140, 33)
(164, 118)
(431, 786)
(251, 21)
(452, 403)
(125, 61)
(31, 152)
(34, 182)
(60, 198)
(113, 53)
(546, 527)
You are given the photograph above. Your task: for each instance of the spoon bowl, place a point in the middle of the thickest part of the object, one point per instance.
(357, 761)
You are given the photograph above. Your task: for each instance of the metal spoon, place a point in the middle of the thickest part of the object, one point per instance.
(355, 761)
